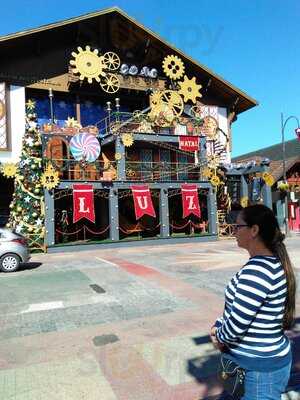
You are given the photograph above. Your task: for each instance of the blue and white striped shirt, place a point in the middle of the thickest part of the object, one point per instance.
(251, 326)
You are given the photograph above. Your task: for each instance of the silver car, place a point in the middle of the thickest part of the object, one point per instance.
(13, 250)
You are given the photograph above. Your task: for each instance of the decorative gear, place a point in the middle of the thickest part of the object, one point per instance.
(114, 128)
(189, 89)
(244, 201)
(118, 156)
(9, 170)
(215, 180)
(88, 64)
(207, 172)
(72, 123)
(111, 60)
(110, 83)
(50, 178)
(127, 139)
(173, 67)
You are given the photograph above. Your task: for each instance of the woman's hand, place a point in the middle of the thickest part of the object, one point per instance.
(217, 345)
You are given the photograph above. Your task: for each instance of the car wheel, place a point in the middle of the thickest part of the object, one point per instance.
(9, 262)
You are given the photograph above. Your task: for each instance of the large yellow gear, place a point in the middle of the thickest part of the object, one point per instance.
(189, 89)
(165, 105)
(50, 178)
(173, 67)
(173, 100)
(88, 64)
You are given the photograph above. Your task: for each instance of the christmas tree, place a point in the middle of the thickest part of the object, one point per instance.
(27, 206)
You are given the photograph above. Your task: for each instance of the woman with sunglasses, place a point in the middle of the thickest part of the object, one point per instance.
(259, 307)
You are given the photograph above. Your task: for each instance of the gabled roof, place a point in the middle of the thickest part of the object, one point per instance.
(239, 99)
(292, 149)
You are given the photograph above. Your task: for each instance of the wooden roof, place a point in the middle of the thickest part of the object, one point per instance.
(216, 87)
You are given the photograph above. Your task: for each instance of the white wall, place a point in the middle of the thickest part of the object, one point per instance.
(17, 124)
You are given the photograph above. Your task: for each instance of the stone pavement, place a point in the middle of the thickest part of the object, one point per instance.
(127, 323)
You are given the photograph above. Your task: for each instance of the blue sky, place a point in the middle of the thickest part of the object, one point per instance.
(255, 45)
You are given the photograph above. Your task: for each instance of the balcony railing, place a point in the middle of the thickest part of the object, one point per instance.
(73, 170)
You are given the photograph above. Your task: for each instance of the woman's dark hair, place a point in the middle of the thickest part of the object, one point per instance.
(270, 234)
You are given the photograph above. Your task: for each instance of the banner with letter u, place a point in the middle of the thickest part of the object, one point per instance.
(83, 202)
(142, 201)
(190, 201)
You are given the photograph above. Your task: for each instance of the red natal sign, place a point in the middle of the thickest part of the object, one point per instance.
(189, 143)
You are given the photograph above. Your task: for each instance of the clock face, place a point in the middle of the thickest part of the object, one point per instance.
(2, 109)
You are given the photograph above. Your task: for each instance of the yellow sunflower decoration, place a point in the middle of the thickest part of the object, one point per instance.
(268, 178)
(127, 139)
(207, 172)
(118, 156)
(50, 178)
(9, 170)
(215, 180)
(244, 201)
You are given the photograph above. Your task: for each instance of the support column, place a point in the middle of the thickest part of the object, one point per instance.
(244, 187)
(212, 212)
(164, 213)
(267, 195)
(49, 219)
(121, 164)
(113, 214)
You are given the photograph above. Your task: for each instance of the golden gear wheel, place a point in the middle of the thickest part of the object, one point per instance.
(173, 67)
(111, 60)
(137, 115)
(9, 170)
(189, 89)
(127, 139)
(173, 100)
(50, 178)
(88, 64)
(215, 180)
(118, 156)
(244, 201)
(110, 83)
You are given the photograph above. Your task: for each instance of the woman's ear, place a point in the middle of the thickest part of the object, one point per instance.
(254, 231)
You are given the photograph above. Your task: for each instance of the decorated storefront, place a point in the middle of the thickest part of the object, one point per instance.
(122, 139)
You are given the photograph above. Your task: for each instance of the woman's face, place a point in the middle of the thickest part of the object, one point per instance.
(242, 232)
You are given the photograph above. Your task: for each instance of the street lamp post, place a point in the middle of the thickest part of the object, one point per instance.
(283, 125)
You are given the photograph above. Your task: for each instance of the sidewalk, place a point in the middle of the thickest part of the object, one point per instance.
(121, 324)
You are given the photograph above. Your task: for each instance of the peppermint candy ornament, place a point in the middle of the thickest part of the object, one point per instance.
(85, 147)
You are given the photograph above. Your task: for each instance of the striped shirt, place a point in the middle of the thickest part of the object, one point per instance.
(251, 327)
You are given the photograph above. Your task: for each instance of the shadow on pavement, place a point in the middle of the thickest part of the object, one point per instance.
(204, 368)
(29, 266)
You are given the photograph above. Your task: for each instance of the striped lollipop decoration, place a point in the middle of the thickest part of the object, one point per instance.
(85, 146)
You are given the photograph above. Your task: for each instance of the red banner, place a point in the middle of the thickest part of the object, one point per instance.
(189, 143)
(190, 201)
(83, 203)
(142, 201)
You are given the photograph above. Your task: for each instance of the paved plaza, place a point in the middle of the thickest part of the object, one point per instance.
(126, 323)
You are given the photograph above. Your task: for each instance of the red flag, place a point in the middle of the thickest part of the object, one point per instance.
(189, 143)
(83, 202)
(190, 201)
(142, 201)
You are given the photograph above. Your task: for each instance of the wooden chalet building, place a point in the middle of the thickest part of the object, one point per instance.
(146, 102)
